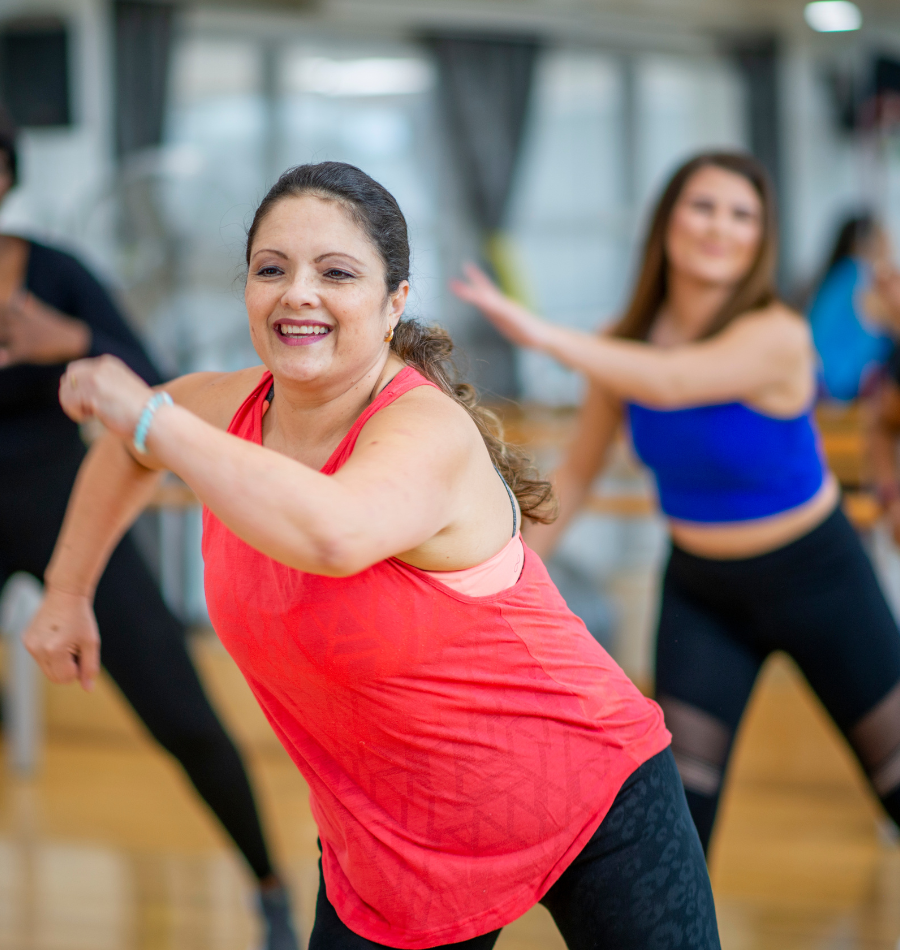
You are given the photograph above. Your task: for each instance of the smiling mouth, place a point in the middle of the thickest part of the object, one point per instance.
(301, 333)
(290, 329)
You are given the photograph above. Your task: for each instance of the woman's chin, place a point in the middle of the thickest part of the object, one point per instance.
(714, 274)
(301, 365)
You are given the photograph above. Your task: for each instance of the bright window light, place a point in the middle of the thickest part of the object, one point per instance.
(832, 16)
(360, 77)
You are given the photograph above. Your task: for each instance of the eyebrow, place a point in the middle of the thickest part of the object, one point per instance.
(321, 257)
(270, 250)
(349, 257)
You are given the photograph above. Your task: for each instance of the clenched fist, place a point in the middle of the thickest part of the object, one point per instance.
(63, 638)
(106, 389)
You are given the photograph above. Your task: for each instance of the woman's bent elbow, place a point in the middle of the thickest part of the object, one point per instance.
(340, 556)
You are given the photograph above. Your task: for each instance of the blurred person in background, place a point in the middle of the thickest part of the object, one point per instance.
(470, 749)
(715, 378)
(883, 426)
(55, 311)
(855, 312)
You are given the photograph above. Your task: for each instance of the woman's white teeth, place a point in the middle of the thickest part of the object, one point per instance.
(290, 329)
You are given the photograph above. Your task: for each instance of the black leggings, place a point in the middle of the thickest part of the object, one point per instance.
(640, 883)
(818, 600)
(142, 645)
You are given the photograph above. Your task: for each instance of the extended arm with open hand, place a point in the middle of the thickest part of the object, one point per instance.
(738, 363)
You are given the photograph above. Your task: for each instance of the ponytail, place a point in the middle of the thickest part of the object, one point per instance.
(429, 349)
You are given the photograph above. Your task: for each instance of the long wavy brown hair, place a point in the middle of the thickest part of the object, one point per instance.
(756, 289)
(428, 348)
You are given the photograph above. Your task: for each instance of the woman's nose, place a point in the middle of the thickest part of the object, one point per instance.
(301, 294)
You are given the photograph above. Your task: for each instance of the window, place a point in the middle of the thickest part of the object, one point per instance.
(587, 177)
(34, 72)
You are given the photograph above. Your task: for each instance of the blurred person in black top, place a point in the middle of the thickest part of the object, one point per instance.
(52, 311)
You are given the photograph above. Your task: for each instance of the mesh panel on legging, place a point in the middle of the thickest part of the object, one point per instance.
(700, 744)
(876, 740)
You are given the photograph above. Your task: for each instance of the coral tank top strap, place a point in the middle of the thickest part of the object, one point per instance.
(408, 378)
(247, 421)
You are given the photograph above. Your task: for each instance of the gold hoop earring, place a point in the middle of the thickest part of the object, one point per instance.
(389, 335)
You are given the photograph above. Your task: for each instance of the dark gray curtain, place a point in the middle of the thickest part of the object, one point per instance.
(485, 89)
(757, 60)
(143, 37)
(485, 86)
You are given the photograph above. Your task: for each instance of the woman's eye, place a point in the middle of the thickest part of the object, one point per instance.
(270, 271)
(335, 274)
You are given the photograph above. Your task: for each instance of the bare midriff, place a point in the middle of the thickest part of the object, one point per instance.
(739, 539)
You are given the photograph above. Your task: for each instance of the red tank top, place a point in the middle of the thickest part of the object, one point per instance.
(460, 751)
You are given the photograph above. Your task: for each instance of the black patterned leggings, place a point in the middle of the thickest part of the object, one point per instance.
(639, 884)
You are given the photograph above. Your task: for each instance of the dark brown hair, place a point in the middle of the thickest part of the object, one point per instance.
(756, 289)
(853, 232)
(427, 348)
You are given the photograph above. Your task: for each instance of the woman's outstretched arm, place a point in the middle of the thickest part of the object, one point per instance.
(598, 421)
(748, 357)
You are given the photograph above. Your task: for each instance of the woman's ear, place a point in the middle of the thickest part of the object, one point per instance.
(398, 302)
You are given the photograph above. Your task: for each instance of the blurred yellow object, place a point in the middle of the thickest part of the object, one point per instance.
(504, 258)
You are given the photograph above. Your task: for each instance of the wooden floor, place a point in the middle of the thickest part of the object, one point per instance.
(108, 850)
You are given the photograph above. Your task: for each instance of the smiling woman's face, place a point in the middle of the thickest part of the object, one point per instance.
(316, 297)
(716, 227)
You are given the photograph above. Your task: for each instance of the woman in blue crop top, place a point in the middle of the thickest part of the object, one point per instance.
(715, 378)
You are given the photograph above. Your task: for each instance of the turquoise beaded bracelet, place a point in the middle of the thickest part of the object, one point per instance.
(146, 417)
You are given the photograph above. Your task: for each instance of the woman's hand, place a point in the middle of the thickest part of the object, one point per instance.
(106, 389)
(512, 320)
(886, 290)
(63, 638)
(33, 332)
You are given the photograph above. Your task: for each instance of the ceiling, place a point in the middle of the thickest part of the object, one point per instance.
(617, 20)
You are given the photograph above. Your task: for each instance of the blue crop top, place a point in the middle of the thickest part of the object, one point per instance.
(727, 462)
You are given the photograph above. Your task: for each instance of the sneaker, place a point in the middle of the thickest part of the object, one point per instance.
(275, 909)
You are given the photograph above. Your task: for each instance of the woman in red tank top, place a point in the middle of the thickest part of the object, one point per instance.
(470, 749)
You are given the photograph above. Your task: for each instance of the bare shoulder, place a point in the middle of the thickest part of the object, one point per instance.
(215, 397)
(776, 325)
(426, 417)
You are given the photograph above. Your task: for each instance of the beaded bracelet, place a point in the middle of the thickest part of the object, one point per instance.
(146, 417)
